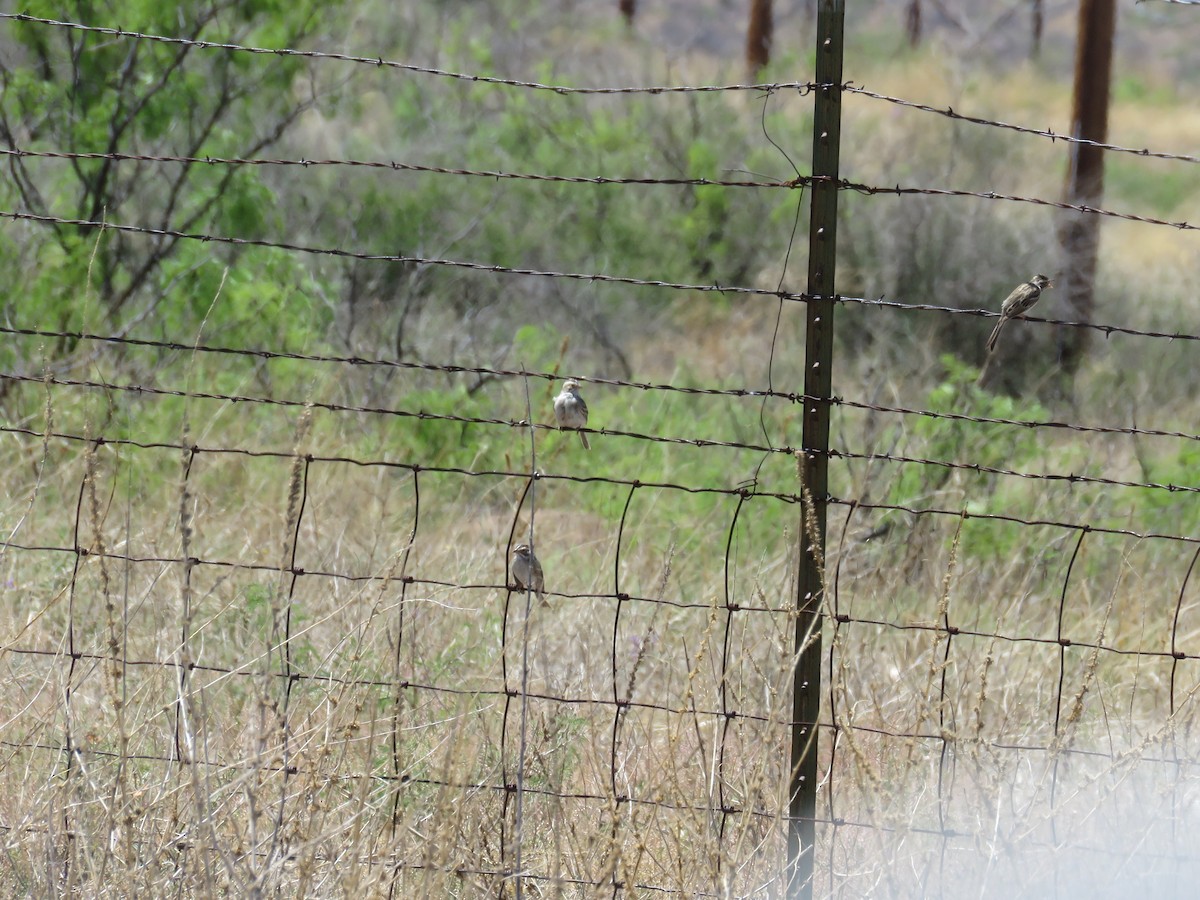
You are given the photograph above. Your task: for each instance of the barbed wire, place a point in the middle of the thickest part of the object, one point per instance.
(798, 181)
(1105, 329)
(379, 62)
(425, 415)
(741, 491)
(415, 468)
(1054, 136)
(593, 277)
(329, 406)
(396, 166)
(802, 87)
(360, 361)
(980, 468)
(1030, 424)
(297, 571)
(483, 693)
(958, 631)
(453, 369)
(405, 684)
(899, 190)
(966, 514)
(834, 821)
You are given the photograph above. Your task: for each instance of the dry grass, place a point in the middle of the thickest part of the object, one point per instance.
(355, 728)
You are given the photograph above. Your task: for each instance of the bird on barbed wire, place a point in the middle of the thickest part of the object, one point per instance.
(1019, 302)
(527, 571)
(571, 411)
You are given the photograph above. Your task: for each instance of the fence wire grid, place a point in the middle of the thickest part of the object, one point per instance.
(259, 639)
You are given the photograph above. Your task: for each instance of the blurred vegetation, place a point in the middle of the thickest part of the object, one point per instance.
(82, 92)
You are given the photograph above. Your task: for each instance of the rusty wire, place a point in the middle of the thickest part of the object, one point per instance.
(490, 371)
(380, 62)
(604, 278)
(428, 415)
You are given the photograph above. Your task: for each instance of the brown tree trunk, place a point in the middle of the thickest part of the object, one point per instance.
(628, 9)
(912, 22)
(758, 35)
(1080, 232)
(1038, 22)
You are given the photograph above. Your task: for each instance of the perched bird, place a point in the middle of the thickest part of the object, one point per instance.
(571, 411)
(527, 571)
(1019, 302)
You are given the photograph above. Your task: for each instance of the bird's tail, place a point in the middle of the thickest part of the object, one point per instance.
(995, 335)
(583, 438)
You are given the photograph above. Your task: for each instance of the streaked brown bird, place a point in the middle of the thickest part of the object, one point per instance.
(527, 571)
(1019, 302)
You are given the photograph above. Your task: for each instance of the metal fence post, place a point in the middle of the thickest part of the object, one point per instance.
(822, 236)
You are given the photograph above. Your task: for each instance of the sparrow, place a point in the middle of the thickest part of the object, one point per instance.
(1019, 302)
(527, 571)
(571, 411)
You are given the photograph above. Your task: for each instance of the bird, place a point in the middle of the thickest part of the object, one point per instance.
(1019, 302)
(527, 571)
(570, 410)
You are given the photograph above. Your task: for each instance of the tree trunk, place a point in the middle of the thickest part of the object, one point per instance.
(758, 36)
(1038, 21)
(912, 23)
(1080, 232)
(628, 9)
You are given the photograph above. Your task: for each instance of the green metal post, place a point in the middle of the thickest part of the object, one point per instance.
(818, 384)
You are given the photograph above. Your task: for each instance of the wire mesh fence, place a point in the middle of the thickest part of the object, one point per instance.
(262, 632)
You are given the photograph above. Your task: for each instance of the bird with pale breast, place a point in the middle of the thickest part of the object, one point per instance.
(1019, 302)
(570, 410)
